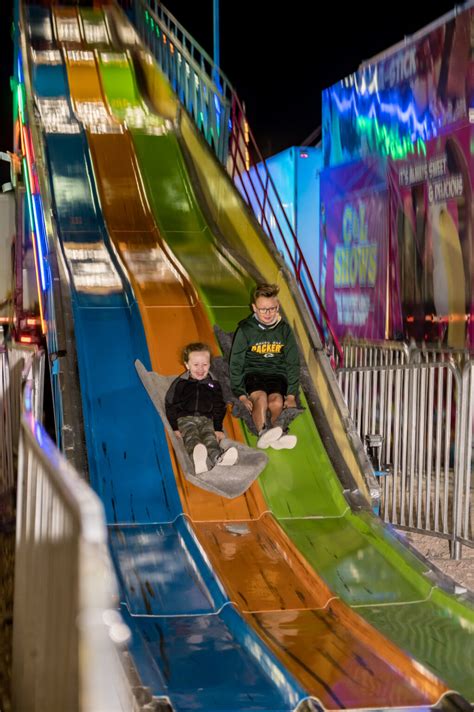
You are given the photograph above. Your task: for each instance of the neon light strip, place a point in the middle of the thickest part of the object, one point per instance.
(34, 228)
(33, 207)
(39, 235)
(28, 193)
(30, 159)
(33, 240)
(19, 96)
(20, 68)
(33, 163)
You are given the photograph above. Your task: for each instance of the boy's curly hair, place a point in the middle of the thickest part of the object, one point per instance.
(265, 290)
(196, 346)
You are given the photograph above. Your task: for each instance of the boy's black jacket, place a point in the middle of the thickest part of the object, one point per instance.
(187, 396)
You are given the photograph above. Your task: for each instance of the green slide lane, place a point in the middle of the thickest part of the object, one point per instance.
(359, 558)
(221, 281)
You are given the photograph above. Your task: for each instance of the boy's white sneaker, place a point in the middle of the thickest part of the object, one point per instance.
(228, 458)
(269, 436)
(286, 442)
(200, 458)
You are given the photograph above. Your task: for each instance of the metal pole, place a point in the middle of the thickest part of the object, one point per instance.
(216, 33)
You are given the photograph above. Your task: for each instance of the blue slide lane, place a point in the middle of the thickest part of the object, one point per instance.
(189, 642)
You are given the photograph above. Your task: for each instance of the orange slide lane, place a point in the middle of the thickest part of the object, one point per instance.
(264, 575)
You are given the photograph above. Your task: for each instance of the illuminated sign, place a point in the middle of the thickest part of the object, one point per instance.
(355, 262)
(394, 106)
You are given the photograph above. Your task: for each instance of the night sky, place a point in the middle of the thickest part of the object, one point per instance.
(279, 58)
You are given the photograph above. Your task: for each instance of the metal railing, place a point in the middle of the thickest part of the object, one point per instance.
(429, 353)
(465, 485)
(14, 360)
(66, 633)
(7, 480)
(361, 352)
(374, 353)
(213, 104)
(423, 414)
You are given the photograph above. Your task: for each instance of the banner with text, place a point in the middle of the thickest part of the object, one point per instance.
(354, 246)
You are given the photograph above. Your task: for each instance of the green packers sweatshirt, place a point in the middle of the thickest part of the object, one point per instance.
(270, 350)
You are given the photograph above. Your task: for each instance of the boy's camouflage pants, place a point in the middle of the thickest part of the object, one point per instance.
(197, 429)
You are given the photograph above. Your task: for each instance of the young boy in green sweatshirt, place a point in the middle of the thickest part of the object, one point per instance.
(264, 367)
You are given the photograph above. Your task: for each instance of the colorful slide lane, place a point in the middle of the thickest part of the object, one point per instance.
(263, 574)
(263, 581)
(129, 464)
(357, 556)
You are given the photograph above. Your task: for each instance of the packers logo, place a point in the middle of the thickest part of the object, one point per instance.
(267, 348)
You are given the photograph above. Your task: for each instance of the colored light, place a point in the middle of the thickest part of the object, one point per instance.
(41, 237)
(39, 434)
(19, 94)
(28, 192)
(40, 301)
(26, 339)
(30, 160)
(20, 68)
(33, 241)
(36, 213)
(389, 120)
(387, 141)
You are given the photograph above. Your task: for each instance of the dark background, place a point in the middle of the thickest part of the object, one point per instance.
(278, 57)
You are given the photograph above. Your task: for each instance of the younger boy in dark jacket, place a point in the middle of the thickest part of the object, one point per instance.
(195, 409)
(264, 367)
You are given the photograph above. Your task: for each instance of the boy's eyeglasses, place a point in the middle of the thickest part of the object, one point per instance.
(267, 310)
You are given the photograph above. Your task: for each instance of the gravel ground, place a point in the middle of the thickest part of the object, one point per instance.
(437, 551)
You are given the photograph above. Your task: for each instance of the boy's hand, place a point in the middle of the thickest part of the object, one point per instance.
(219, 435)
(177, 433)
(247, 403)
(290, 402)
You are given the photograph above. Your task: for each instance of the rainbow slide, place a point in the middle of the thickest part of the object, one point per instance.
(286, 597)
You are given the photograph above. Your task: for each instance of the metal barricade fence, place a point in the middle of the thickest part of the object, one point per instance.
(14, 362)
(26, 363)
(374, 353)
(429, 354)
(6, 437)
(362, 352)
(67, 633)
(416, 408)
(465, 499)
